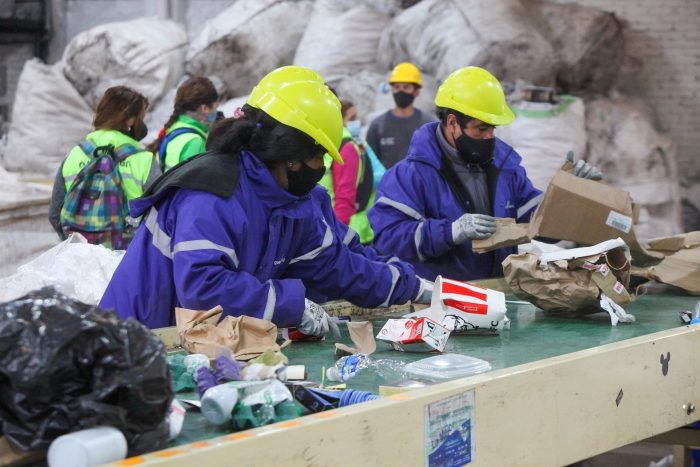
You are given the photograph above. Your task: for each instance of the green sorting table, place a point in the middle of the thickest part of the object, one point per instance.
(561, 390)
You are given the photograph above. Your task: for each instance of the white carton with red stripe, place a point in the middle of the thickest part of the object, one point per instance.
(414, 335)
(468, 308)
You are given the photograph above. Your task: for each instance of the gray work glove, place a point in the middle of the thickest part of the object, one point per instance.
(425, 292)
(583, 169)
(316, 322)
(472, 227)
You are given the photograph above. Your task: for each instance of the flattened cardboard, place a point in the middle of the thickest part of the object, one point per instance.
(681, 266)
(507, 234)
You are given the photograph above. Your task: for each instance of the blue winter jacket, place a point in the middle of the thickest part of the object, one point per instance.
(249, 253)
(412, 217)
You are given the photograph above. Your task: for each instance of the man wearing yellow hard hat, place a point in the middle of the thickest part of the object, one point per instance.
(455, 179)
(390, 133)
(246, 226)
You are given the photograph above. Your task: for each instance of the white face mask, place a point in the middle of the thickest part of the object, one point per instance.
(354, 127)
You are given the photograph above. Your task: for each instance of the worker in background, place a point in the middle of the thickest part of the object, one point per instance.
(185, 133)
(243, 225)
(103, 219)
(351, 184)
(390, 133)
(455, 179)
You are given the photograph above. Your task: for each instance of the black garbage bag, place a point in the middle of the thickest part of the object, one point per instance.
(67, 366)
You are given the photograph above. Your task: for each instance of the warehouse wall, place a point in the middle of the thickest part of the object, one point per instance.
(663, 40)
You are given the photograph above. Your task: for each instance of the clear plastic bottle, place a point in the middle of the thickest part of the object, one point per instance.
(347, 367)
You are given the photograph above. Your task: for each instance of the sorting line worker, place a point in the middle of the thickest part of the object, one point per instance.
(456, 177)
(390, 133)
(185, 133)
(244, 224)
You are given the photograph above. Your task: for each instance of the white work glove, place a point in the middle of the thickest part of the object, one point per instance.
(583, 169)
(425, 292)
(472, 227)
(316, 322)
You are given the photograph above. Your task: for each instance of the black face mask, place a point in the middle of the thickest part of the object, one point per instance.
(403, 99)
(303, 181)
(138, 131)
(475, 151)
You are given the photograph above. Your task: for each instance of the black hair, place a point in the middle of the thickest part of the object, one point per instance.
(443, 112)
(270, 140)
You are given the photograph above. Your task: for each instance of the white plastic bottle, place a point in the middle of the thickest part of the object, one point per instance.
(218, 403)
(346, 367)
(87, 448)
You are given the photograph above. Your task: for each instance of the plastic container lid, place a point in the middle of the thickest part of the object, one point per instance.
(446, 367)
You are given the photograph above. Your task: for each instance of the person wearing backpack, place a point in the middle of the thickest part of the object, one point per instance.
(185, 133)
(351, 185)
(104, 172)
(246, 225)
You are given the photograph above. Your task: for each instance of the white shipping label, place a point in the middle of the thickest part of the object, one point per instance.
(604, 270)
(619, 221)
(618, 288)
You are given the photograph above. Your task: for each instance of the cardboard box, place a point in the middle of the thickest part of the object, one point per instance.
(588, 212)
(414, 335)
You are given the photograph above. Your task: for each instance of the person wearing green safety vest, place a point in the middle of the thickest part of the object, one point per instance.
(185, 133)
(351, 185)
(118, 123)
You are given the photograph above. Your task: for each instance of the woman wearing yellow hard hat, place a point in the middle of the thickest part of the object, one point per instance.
(456, 178)
(246, 226)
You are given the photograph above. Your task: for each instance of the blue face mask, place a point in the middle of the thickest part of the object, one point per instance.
(211, 117)
(354, 127)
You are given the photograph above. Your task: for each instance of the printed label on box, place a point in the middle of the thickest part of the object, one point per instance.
(589, 266)
(619, 221)
(604, 270)
(449, 431)
(618, 288)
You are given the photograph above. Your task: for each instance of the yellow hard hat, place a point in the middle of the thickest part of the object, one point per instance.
(476, 93)
(298, 97)
(406, 73)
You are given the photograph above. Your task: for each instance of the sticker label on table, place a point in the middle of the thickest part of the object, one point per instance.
(449, 428)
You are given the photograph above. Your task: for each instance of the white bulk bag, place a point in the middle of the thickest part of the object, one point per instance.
(341, 38)
(632, 155)
(248, 40)
(544, 133)
(441, 36)
(145, 54)
(49, 117)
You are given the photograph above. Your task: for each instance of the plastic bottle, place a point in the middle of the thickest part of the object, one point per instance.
(87, 448)
(218, 403)
(696, 314)
(346, 367)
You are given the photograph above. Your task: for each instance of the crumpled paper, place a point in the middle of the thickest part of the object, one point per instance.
(245, 336)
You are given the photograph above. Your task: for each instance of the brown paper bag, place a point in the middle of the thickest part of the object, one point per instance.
(247, 337)
(570, 285)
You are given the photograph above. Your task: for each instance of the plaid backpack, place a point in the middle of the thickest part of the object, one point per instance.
(96, 205)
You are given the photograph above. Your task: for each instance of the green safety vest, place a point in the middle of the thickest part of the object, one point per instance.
(185, 145)
(134, 169)
(358, 222)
